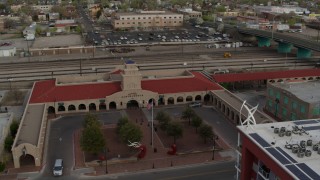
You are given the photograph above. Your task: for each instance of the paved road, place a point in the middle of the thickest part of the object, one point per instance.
(222, 127)
(61, 139)
(223, 170)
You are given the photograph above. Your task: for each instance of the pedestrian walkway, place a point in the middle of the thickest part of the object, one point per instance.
(158, 157)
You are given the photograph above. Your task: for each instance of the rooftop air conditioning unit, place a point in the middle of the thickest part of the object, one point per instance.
(276, 130)
(303, 143)
(309, 142)
(300, 154)
(288, 133)
(308, 153)
(315, 147)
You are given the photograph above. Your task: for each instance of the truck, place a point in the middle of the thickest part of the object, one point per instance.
(283, 27)
(30, 37)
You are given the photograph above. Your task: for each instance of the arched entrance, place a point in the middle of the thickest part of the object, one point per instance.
(102, 106)
(170, 100)
(198, 98)
(161, 101)
(206, 98)
(189, 99)
(180, 99)
(71, 107)
(92, 107)
(26, 160)
(61, 108)
(132, 104)
(51, 110)
(112, 105)
(82, 107)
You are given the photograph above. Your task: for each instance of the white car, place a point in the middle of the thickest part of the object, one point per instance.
(140, 39)
(195, 104)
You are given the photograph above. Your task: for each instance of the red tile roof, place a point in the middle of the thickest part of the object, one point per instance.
(164, 86)
(250, 76)
(47, 91)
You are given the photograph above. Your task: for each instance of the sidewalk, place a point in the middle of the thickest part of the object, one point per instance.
(160, 158)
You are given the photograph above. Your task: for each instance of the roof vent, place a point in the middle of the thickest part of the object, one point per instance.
(315, 147)
(276, 130)
(309, 142)
(303, 143)
(288, 133)
(295, 149)
(300, 154)
(308, 153)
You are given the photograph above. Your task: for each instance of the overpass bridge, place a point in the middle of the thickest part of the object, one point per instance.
(286, 42)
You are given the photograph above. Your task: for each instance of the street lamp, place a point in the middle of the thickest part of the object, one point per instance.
(214, 138)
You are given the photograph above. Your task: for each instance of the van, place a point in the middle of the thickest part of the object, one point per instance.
(58, 167)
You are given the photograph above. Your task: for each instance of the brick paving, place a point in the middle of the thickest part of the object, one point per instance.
(153, 160)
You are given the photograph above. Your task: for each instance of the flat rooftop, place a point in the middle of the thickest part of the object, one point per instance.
(29, 132)
(281, 147)
(305, 90)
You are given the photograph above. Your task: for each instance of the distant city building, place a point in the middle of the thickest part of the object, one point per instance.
(43, 8)
(49, 2)
(280, 150)
(145, 19)
(189, 13)
(54, 16)
(293, 100)
(2, 23)
(7, 49)
(65, 25)
(229, 13)
(42, 17)
(281, 9)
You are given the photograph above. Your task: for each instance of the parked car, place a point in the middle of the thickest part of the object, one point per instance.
(195, 104)
(58, 167)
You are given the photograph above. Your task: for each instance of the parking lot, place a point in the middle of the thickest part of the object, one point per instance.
(156, 37)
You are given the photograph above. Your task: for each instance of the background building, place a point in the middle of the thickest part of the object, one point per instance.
(293, 100)
(282, 150)
(7, 49)
(145, 19)
(189, 13)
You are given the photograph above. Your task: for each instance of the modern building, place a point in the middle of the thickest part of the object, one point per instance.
(65, 25)
(146, 19)
(291, 100)
(283, 150)
(43, 8)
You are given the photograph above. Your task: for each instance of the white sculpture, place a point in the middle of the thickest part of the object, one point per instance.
(250, 119)
(134, 144)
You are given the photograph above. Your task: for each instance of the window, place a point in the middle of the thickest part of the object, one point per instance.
(149, 17)
(138, 17)
(128, 18)
(302, 109)
(175, 21)
(175, 17)
(278, 95)
(294, 105)
(293, 116)
(133, 23)
(316, 111)
(285, 100)
(165, 17)
(270, 103)
(284, 112)
(270, 92)
(180, 21)
(133, 18)
(122, 18)
(144, 17)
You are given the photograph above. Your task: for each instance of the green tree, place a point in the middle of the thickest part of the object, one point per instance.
(179, 2)
(8, 142)
(38, 30)
(92, 139)
(91, 120)
(2, 166)
(163, 119)
(130, 132)
(196, 122)
(78, 29)
(121, 122)
(175, 130)
(205, 132)
(14, 128)
(220, 9)
(188, 113)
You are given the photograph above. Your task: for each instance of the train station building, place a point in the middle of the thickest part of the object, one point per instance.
(125, 87)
